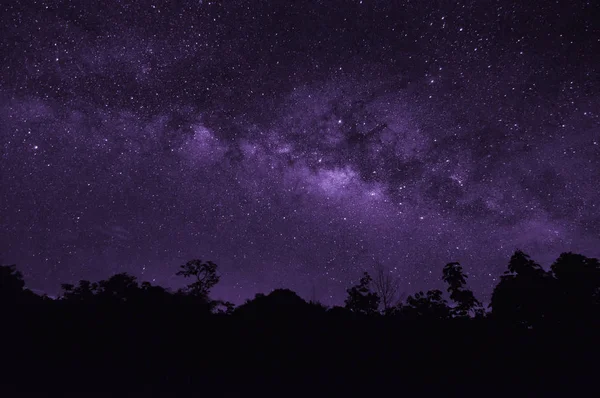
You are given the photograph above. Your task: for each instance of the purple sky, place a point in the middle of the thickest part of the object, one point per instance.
(137, 135)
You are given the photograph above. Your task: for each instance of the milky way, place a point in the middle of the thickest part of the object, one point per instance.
(297, 143)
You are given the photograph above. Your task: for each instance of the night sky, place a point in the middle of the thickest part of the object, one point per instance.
(297, 143)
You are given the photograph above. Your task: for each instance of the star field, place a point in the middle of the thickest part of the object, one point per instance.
(296, 143)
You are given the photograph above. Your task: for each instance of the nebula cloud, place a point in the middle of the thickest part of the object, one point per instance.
(295, 145)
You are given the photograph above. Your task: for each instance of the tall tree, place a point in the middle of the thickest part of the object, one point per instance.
(521, 264)
(578, 286)
(386, 286)
(524, 293)
(204, 274)
(465, 300)
(361, 299)
(579, 273)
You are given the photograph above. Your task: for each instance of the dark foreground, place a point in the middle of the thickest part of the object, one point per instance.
(137, 355)
(118, 338)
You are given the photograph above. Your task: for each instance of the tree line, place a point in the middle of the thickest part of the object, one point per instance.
(122, 336)
(526, 295)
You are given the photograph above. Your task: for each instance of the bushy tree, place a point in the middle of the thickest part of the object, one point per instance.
(578, 273)
(12, 289)
(426, 306)
(465, 300)
(524, 293)
(119, 287)
(11, 282)
(279, 303)
(577, 285)
(361, 299)
(84, 291)
(204, 275)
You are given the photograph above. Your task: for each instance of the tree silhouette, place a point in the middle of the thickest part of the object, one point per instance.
(205, 275)
(279, 303)
(521, 264)
(465, 300)
(85, 291)
(578, 285)
(524, 293)
(578, 273)
(223, 307)
(12, 284)
(108, 326)
(427, 306)
(14, 294)
(119, 287)
(386, 286)
(153, 292)
(361, 299)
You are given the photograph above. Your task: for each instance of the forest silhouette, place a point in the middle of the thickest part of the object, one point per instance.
(118, 336)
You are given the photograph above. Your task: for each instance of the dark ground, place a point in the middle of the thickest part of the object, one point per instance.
(125, 355)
